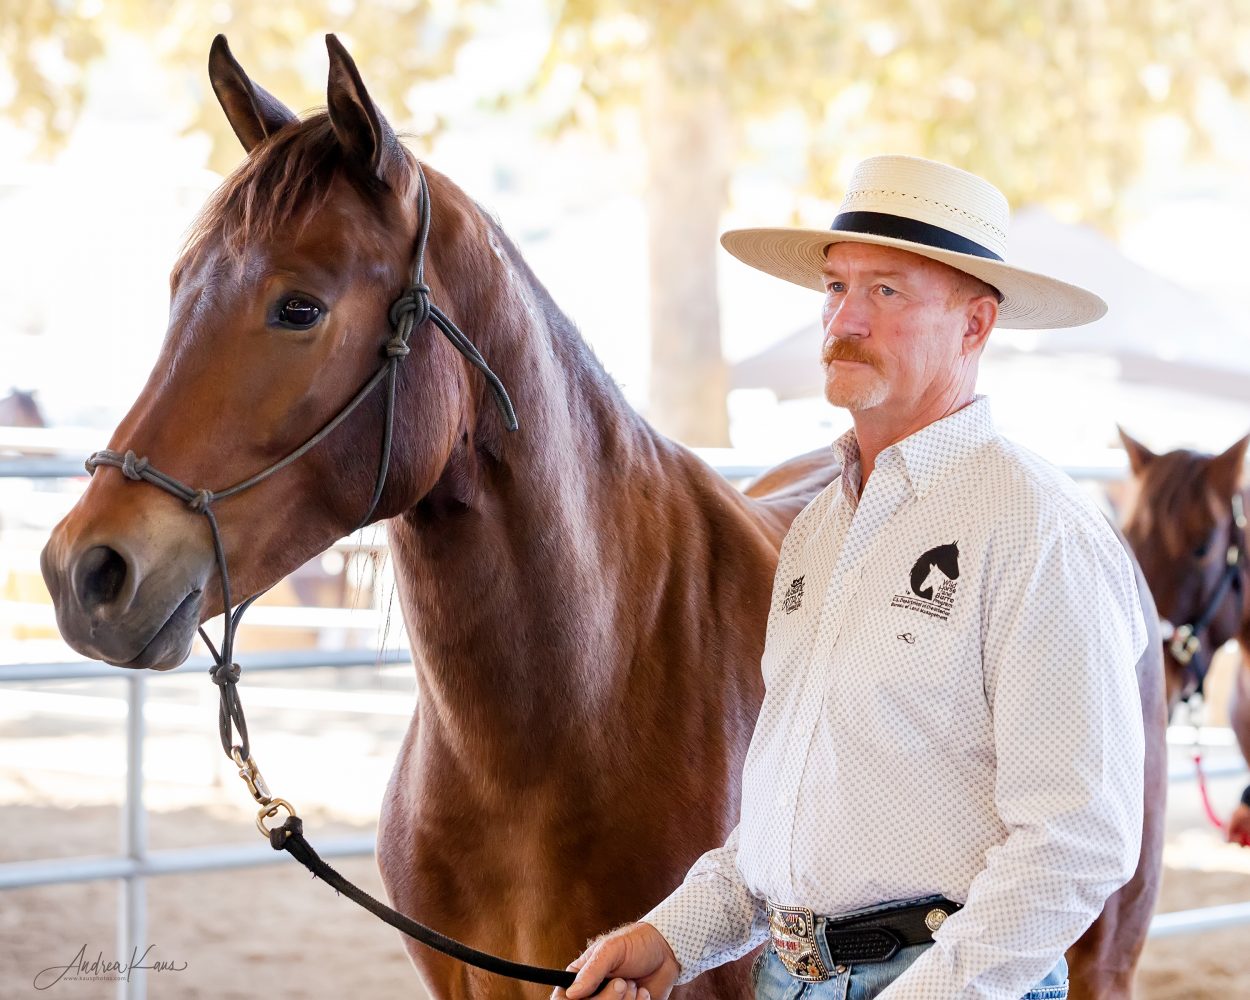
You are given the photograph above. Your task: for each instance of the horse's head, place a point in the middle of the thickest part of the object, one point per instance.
(1179, 519)
(278, 316)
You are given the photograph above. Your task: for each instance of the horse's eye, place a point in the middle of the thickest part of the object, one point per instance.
(1201, 551)
(298, 312)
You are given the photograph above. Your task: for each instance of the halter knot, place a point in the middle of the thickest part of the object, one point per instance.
(397, 347)
(199, 503)
(225, 673)
(91, 464)
(132, 467)
(416, 300)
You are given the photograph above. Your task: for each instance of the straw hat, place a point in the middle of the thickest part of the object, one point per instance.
(933, 210)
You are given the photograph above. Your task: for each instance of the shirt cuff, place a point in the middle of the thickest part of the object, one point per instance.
(689, 921)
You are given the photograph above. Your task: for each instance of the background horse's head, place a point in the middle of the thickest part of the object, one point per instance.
(20, 409)
(1179, 520)
(278, 315)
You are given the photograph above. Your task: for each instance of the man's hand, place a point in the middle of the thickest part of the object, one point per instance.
(635, 955)
(1239, 826)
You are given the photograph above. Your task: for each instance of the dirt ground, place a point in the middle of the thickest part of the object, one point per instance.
(278, 933)
(328, 746)
(246, 933)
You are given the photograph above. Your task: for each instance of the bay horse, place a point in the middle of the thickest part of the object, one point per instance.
(582, 577)
(1185, 519)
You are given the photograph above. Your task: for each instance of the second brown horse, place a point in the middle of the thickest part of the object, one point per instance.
(1182, 517)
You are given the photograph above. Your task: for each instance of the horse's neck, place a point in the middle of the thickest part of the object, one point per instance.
(517, 594)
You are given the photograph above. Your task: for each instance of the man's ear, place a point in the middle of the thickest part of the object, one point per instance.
(253, 112)
(362, 131)
(981, 316)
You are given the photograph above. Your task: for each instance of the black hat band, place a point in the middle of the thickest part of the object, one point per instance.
(898, 228)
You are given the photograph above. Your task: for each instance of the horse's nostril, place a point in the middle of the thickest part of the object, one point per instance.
(99, 576)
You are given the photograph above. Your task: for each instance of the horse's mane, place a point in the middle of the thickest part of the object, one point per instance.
(577, 352)
(289, 176)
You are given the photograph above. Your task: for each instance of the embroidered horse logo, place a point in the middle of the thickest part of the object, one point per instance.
(933, 569)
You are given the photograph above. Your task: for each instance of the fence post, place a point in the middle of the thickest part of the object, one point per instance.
(132, 918)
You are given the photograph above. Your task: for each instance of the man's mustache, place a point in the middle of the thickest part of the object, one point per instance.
(846, 350)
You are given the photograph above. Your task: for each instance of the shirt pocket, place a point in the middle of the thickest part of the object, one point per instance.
(911, 671)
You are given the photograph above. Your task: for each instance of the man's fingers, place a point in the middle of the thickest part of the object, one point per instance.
(597, 962)
(613, 989)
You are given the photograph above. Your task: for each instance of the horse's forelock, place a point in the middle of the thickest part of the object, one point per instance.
(1174, 495)
(287, 178)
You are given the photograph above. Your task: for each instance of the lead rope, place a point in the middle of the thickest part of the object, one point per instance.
(1195, 716)
(412, 309)
(1204, 795)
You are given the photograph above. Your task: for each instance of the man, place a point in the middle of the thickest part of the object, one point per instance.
(945, 780)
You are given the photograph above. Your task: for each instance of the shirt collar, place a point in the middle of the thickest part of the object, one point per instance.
(925, 456)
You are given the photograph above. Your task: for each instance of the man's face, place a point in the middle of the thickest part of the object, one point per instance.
(895, 329)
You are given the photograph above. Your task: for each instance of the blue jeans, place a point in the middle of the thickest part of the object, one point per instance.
(865, 981)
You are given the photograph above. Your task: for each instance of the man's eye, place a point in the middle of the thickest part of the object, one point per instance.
(836, 286)
(298, 312)
(887, 290)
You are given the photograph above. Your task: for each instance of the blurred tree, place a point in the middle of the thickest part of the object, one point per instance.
(48, 46)
(1050, 100)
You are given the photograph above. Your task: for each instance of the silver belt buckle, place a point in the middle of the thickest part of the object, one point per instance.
(792, 930)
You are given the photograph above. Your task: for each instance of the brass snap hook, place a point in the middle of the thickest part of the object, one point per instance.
(269, 810)
(250, 773)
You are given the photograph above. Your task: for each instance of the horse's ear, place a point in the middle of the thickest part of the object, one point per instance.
(1224, 472)
(1139, 456)
(361, 129)
(253, 112)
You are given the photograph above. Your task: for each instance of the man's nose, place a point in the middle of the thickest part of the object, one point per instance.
(846, 316)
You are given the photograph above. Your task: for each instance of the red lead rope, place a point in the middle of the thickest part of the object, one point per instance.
(1202, 790)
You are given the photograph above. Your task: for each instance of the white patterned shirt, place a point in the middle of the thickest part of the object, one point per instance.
(951, 707)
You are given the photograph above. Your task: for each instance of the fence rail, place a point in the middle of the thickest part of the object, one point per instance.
(136, 863)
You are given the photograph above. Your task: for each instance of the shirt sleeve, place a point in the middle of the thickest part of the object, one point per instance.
(712, 917)
(1061, 642)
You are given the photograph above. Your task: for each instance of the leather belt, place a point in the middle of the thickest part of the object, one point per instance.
(870, 936)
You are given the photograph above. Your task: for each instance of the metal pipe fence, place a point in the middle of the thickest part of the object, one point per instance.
(135, 863)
